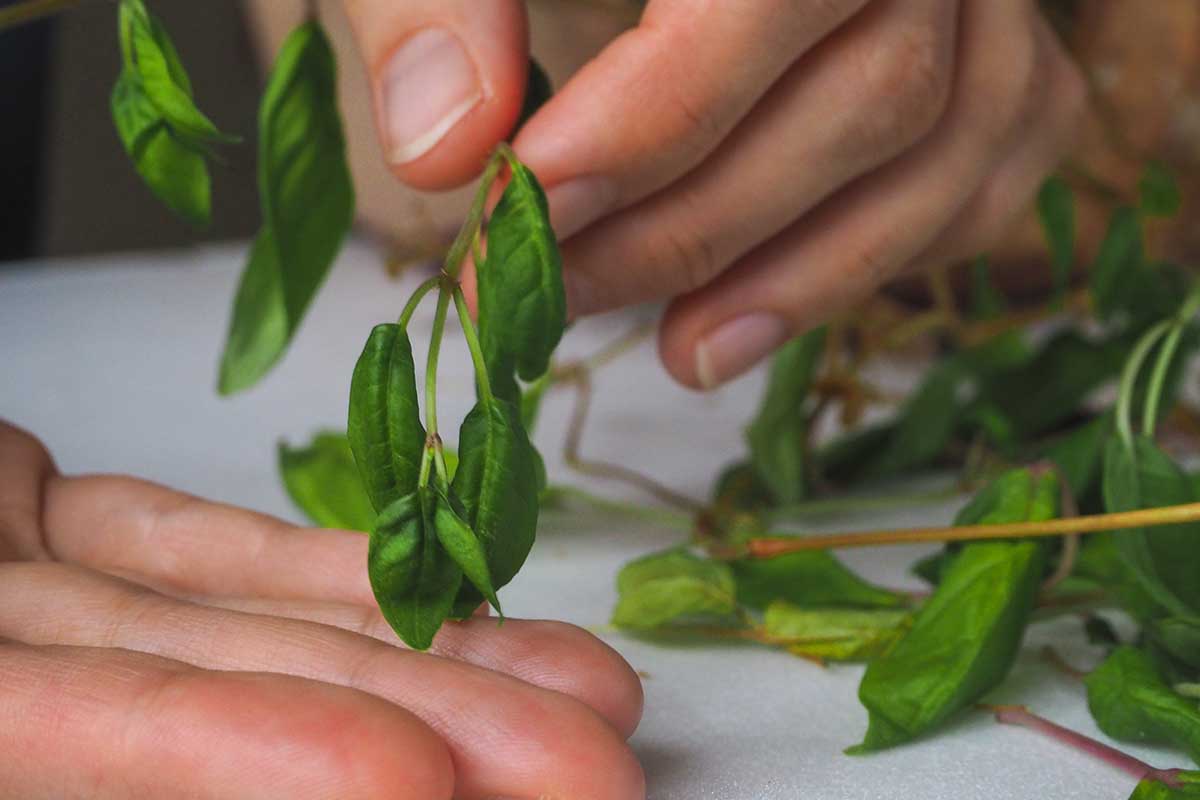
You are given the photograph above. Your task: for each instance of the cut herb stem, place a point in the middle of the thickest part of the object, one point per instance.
(418, 295)
(771, 546)
(472, 337)
(470, 229)
(431, 363)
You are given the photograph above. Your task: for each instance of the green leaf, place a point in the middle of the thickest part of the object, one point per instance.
(1179, 637)
(965, 638)
(673, 584)
(1158, 191)
(810, 578)
(926, 422)
(307, 200)
(1080, 454)
(1163, 560)
(522, 304)
(1130, 701)
(498, 485)
(322, 479)
(778, 435)
(834, 634)
(1116, 266)
(987, 302)
(384, 426)
(464, 548)
(1188, 788)
(538, 90)
(415, 581)
(1056, 211)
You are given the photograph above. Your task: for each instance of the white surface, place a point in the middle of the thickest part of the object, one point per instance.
(113, 364)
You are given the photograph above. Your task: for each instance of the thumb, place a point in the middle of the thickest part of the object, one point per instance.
(447, 76)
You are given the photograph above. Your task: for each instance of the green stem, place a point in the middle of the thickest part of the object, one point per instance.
(472, 337)
(426, 462)
(431, 363)
(417, 296)
(1158, 378)
(662, 516)
(470, 228)
(22, 13)
(1129, 379)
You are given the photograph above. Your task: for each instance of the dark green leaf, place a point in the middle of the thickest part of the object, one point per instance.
(1056, 211)
(415, 581)
(1130, 701)
(1187, 788)
(1080, 453)
(1179, 637)
(384, 425)
(674, 584)
(778, 435)
(926, 422)
(1158, 191)
(322, 479)
(811, 578)
(965, 638)
(522, 304)
(307, 200)
(1118, 263)
(835, 634)
(463, 547)
(538, 90)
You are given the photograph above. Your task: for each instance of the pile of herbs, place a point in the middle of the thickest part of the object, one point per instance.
(1009, 401)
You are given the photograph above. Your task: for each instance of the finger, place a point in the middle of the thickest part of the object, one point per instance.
(863, 235)
(660, 97)
(553, 655)
(173, 540)
(873, 89)
(25, 470)
(448, 78)
(506, 737)
(112, 724)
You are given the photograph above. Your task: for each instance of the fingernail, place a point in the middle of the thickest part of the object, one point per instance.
(578, 203)
(426, 87)
(738, 345)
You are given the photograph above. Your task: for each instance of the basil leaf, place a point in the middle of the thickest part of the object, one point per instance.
(384, 426)
(1120, 258)
(810, 578)
(664, 587)
(463, 547)
(1154, 789)
(778, 435)
(497, 483)
(522, 303)
(1130, 701)
(413, 578)
(307, 200)
(1164, 561)
(1158, 192)
(1056, 212)
(964, 639)
(834, 634)
(323, 481)
(1179, 637)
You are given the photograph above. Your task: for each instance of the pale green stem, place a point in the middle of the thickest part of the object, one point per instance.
(472, 337)
(1133, 366)
(1158, 378)
(466, 234)
(431, 363)
(662, 516)
(417, 296)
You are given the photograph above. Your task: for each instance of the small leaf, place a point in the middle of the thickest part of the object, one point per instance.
(1158, 191)
(322, 479)
(384, 426)
(664, 587)
(1120, 258)
(1130, 701)
(1056, 212)
(414, 580)
(463, 547)
(810, 578)
(522, 303)
(834, 634)
(307, 200)
(964, 639)
(778, 435)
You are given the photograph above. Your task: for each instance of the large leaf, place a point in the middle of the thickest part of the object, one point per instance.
(384, 426)
(778, 435)
(674, 584)
(1130, 701)
(307, 200)
(834, 634)
(965, 638)
(322, 479)
(810, 578)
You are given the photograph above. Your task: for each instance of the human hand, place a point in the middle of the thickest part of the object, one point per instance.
(761, 164)
(156, 645)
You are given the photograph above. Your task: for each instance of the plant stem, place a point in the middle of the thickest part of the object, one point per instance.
(1129, 374)
(470, 228)
(839, 505)
(22, 13)
(1158, 378)
(472, 337)
(663, 516)
(415, 300)
(771, 546)
(431, 363)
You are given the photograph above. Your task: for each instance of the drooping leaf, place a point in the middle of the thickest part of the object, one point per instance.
(835, 634)
(307, 201)
(674, 584)
(1158, 192)
(1056, 212)
(778, 435)
(384, 425)
(1130, 701)
(414, 580)
(808, 578)
(522, 304)
(463, 547)
(965, 638)
(323, 480)
(1116, 266)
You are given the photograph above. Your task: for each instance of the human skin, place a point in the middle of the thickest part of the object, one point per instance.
(153, 644)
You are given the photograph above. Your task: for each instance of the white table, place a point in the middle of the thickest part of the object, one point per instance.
(112, 362)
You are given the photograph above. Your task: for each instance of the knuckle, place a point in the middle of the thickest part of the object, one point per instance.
(683, 251)
(909, 81)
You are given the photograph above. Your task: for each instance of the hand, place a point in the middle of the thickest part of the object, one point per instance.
(156, 645)
(763, 164)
